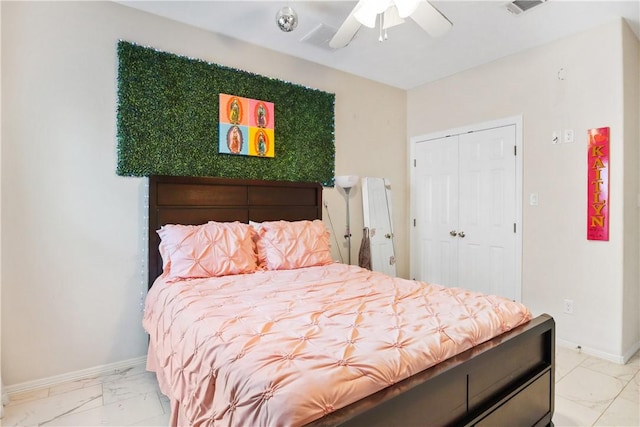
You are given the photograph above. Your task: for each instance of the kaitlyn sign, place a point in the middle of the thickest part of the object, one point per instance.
(598, 185)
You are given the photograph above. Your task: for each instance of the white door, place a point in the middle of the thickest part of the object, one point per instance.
(486, 218)
(465, 211)
(436, 201)
(376, 201)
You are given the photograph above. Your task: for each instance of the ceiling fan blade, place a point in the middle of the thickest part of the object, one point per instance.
(430, 19)
(347, 30)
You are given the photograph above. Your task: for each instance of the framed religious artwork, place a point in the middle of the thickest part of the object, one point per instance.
(246, 126)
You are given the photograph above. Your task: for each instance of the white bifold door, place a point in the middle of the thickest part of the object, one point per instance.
(464, 205)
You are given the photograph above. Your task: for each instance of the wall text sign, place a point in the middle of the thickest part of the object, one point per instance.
(598, 184)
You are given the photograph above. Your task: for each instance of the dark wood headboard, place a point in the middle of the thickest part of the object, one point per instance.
(196, 200)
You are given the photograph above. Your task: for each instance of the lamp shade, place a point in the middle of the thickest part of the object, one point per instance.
(347, 181)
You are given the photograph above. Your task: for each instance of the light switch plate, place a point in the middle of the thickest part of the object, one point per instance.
(568, 135)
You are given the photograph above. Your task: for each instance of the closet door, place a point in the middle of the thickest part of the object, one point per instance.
(436, 201)
(464, 200)
(486, 218)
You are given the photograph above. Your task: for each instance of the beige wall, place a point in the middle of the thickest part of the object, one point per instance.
(73, 238)
(558, 262)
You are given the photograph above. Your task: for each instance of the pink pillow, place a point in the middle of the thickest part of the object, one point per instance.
(284, 245)
(207, 250)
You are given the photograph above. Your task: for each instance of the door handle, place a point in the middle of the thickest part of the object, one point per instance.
(453, 233)
(388, 235)
(461, 234)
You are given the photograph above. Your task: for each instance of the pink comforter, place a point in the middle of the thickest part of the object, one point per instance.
(283, 348)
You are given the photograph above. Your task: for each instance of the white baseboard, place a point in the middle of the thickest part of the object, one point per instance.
(74, 376)
(629, 353)
(615, 358)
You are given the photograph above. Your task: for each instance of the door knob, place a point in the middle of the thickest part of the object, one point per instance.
(461, 234)
(453, 233)
(388, 235)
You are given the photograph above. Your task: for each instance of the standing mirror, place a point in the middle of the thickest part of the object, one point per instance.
(376, 202)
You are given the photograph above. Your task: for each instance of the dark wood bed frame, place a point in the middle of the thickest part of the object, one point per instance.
(507, 381)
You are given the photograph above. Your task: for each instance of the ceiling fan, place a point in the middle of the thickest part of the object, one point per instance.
(390, 13)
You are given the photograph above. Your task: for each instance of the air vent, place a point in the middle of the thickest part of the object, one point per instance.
(320, 36)
(520, 6)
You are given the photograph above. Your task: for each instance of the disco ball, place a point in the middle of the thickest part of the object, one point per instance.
(287, 19)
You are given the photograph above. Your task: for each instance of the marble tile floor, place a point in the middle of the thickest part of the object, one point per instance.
(594, 392)
(589, 392)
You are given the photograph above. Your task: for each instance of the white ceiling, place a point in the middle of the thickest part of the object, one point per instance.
(482, 31)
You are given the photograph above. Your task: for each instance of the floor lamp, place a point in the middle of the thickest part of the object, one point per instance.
(347, 182)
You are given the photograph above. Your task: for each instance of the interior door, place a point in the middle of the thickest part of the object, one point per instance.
(436, 199)
(376, 201)
(465, 211)
(486, 218)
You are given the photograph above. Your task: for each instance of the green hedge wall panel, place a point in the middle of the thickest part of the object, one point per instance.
(168, 120)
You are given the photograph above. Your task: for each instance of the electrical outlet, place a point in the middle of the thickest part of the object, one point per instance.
(568, 306)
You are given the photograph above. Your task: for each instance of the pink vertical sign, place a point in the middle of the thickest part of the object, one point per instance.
(598, 184)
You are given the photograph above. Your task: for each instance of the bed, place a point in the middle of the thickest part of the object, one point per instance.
(505, 380)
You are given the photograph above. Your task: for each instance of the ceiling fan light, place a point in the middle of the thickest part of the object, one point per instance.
(368, 10)
(406, 7)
